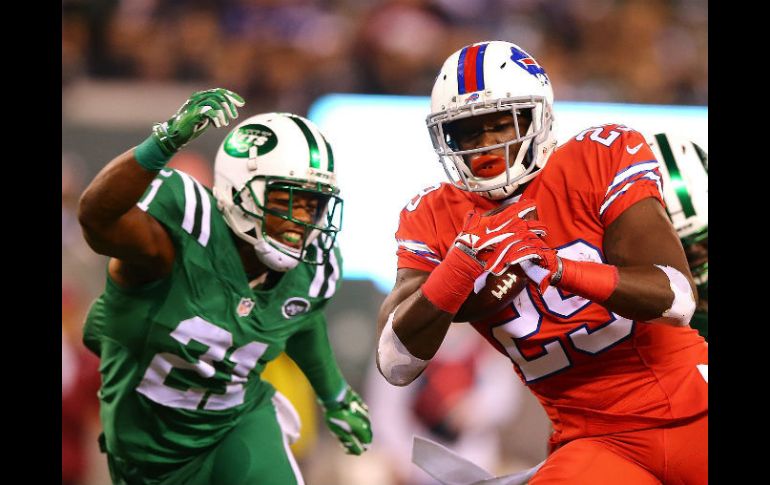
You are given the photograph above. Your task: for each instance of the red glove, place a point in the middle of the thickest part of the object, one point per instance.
(493, 238)
(482, 246)
(594, 281)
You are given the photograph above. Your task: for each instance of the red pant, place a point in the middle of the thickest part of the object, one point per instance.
(671, 455)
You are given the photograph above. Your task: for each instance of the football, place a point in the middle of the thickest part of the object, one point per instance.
(498, 292)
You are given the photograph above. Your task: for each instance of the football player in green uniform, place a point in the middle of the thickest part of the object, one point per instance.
(203, 289)
(684, 166)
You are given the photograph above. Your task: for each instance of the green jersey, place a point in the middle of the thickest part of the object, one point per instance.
(181, 357)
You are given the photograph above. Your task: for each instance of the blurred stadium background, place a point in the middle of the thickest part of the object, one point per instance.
(129, 63)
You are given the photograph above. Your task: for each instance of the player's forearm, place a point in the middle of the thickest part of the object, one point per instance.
(653, 293)
(113, 192)
(421, 326)
(410, 333)
(312, 352)
(645, 293)
(415, 317)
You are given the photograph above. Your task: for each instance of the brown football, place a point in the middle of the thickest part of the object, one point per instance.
(494, 296)
(498, 292)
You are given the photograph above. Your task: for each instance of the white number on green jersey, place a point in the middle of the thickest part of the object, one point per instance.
(218, 341)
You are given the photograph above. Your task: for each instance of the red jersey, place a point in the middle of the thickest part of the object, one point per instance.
(593, 371)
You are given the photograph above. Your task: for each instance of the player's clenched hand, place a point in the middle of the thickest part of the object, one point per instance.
(348, 419)
(216, 106)
(493, 238)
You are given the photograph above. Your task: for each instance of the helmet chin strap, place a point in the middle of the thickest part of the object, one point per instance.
(273, 258)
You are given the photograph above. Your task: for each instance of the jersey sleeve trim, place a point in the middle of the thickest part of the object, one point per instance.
(625, 179)
(320, 280)
(419, 249)
(195, 195)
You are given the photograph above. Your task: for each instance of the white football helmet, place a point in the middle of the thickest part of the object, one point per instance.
(278, 151)
(489, 77)
(684, 167)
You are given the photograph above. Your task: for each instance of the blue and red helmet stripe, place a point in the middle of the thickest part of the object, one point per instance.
(470, 69)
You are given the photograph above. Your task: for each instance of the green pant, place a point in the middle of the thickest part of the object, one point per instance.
(252, 453)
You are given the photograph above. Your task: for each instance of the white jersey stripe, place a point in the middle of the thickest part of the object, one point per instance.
(189, 203)
(420, 249)
(334, 276)
(320, 273)
(609, 201)
(629, 171)
(203, 238)
(286, 447)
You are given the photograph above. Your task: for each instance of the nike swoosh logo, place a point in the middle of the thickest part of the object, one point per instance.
(490, 231)
(633, 151)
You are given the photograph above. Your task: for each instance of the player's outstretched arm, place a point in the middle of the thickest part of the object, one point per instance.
(112, 223)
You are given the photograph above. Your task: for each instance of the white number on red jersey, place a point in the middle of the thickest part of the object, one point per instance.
(596, 134)
(553, 357)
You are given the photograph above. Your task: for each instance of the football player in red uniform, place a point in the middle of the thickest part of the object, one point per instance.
(601, 333)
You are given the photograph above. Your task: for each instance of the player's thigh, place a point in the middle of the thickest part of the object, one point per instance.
(588, 462)
(253, 453)
(687, 453)
(256, 453)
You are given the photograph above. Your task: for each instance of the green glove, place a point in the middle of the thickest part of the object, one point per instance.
(348, 418)
(196, 114)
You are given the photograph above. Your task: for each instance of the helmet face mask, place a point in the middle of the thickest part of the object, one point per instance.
(504, 80)
(325, 221)
(459, 163)
(283, 155)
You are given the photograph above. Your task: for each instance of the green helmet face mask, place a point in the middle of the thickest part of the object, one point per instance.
(325, 220)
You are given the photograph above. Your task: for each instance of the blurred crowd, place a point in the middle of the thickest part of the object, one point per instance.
(284, 53)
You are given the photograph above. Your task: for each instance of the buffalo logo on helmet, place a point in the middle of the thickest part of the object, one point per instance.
(240, 141)
(295, 306)
(473, 97)
(529, 64)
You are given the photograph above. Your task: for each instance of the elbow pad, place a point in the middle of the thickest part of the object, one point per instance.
(683, 306)
(396, 363)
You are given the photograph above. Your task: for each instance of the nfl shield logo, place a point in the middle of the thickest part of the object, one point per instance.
(245, 306)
